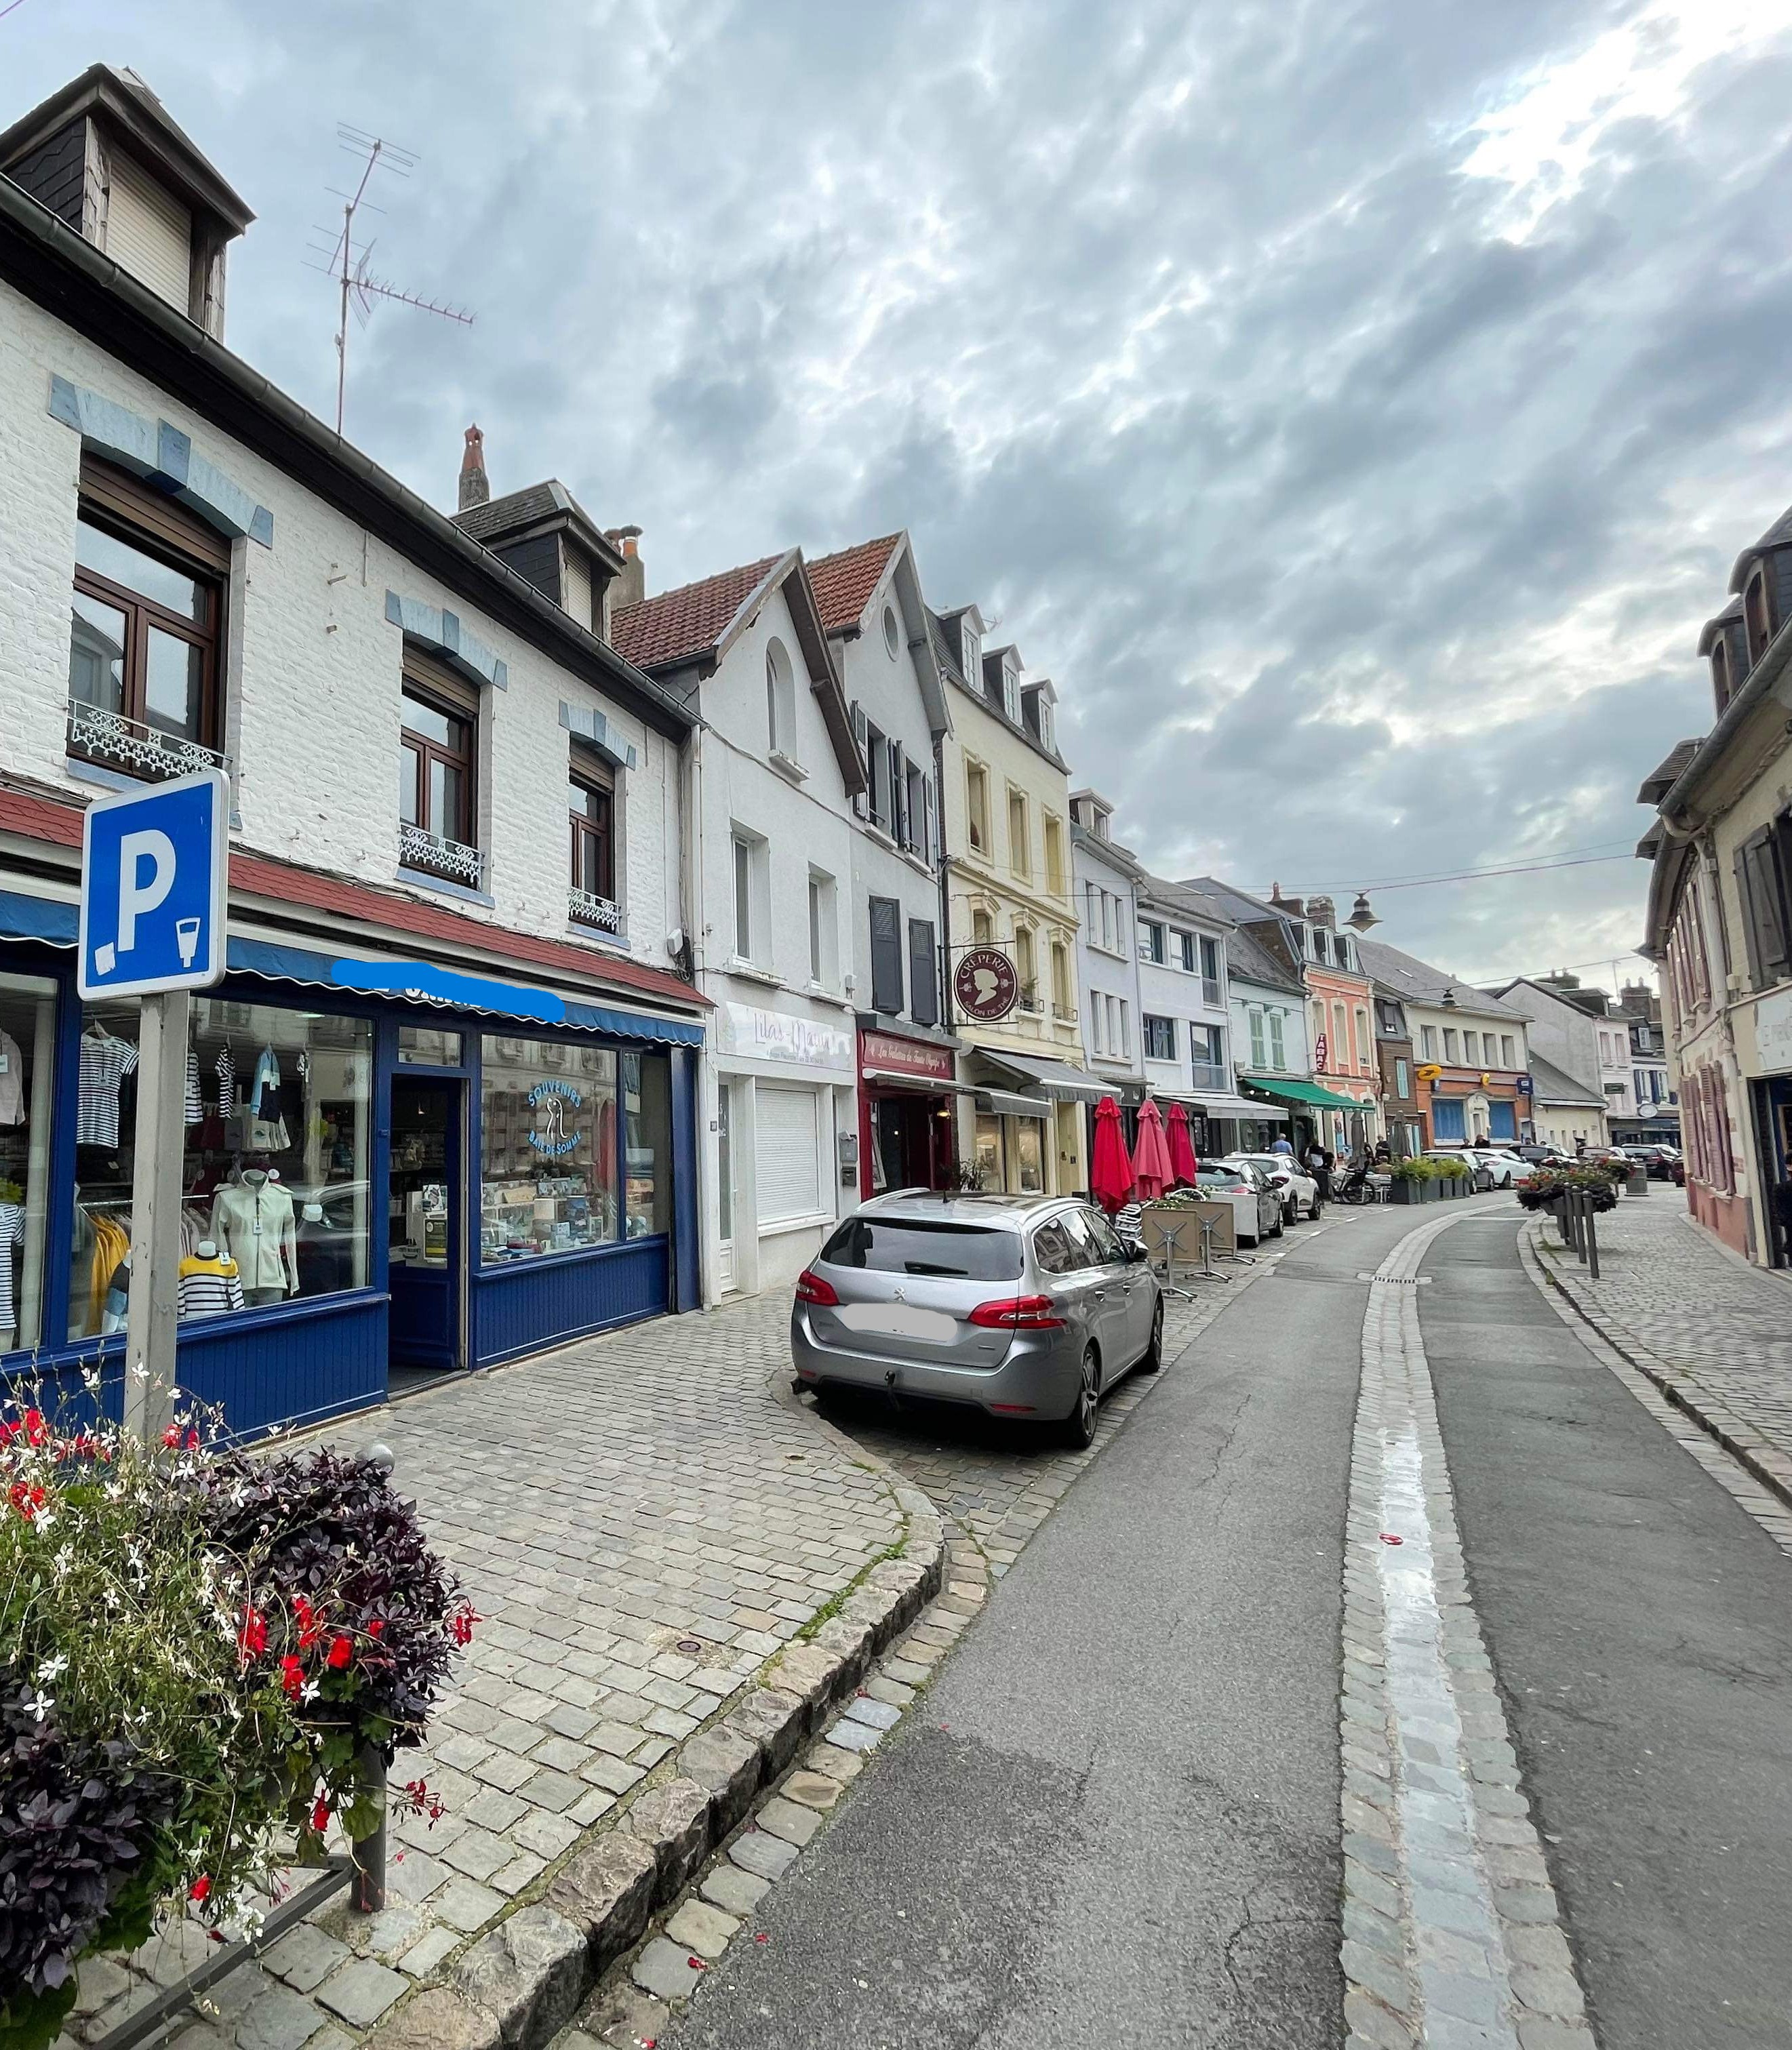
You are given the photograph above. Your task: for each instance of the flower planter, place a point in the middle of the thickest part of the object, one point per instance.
(1402, 1190)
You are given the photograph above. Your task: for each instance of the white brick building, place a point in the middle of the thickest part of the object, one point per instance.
(483, 1068)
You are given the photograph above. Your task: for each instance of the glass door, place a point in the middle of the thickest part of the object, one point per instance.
(425, 1244)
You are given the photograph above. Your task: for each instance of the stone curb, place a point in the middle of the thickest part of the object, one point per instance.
(521, 1982)
(1767, 1463)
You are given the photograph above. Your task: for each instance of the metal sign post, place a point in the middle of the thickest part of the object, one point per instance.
(153, 867)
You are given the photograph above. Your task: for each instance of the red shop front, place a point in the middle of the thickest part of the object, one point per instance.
(906, 1088)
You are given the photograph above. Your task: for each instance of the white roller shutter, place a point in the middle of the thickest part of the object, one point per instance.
(148, 232)
(575, 586)
(786, 1133)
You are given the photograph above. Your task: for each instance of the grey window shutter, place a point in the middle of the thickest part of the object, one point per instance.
(860, 804)
(923, 976)
(899, 797)
(886, 956)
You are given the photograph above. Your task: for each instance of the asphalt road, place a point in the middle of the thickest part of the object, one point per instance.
(1641, 1626)
(1114, 1820)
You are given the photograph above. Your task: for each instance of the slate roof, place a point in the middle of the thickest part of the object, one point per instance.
(1408, 976)
(1550, 1085)
(1778, 535)
(1662, 778)
(516, 508)
(1247, 961)
(1237, 904)
(680, 625)
(1716, 623)
(1182, 897)
(843, 582)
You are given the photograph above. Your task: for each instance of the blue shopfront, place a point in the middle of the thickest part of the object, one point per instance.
(392, 1171)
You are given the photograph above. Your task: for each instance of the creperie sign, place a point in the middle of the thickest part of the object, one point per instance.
(907, 1057)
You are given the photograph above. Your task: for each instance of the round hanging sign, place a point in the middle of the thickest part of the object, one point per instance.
(985, 985)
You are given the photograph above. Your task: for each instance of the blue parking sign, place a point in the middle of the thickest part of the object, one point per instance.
(155, 864)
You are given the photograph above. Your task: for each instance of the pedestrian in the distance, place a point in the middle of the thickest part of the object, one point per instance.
(1279, 1144)
(1319, 1166)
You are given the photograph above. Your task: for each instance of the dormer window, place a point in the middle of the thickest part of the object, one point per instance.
(1758, 616)
(1720, 683)
(1011, 691)
(973, 653)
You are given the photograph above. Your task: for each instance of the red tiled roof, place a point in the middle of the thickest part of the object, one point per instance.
(843, 582)
(284, 883)
(678, 626)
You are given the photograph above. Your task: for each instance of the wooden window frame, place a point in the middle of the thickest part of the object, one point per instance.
(118, 505)
(597, 782)
(430, 683)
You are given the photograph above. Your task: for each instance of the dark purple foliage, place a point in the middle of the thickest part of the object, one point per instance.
(75, 1821)
(329, 1528)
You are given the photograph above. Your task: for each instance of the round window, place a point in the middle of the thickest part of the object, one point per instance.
(893, 632)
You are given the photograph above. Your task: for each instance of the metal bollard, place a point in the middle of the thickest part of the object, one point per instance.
(368, 1893)
(1592, 1243)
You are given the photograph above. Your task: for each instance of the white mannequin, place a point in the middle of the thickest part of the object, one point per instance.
(252, 1222)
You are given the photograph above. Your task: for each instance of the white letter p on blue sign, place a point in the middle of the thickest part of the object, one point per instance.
(154, 869)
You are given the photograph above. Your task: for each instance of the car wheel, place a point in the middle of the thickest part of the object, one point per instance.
(1291, 1212)
(1281, 1225)
(1078, 1430)
(1154, 1351)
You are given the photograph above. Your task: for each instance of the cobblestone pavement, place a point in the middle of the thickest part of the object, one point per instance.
(1452, 1932)
(998, 1484)
(1692, 1317)
(603, 1506)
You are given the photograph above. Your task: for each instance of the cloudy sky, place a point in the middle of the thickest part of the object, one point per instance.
(1355, 407)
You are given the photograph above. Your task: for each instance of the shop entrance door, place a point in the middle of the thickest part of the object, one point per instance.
(426, 1241)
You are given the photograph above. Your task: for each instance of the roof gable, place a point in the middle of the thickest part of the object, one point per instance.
(684, 625)
(844, 582)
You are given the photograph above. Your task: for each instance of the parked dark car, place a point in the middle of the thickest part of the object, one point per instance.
(1663, 1163)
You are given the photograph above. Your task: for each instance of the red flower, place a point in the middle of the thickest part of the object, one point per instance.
(461, 1623)
(26, 1497)
(341, 1650)
(200, 1887)
(425, 1802)
(252, 1639)
(320, 1816)
(171, 1438)
(292, 1676)
(191, 1441)
(35, 1430)
(310, 1629)
(376, 1625)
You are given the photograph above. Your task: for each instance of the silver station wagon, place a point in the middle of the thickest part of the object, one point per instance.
(1029, 1306)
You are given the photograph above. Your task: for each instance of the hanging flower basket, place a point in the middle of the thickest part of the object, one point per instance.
(1547, 1187)
(207, 1659)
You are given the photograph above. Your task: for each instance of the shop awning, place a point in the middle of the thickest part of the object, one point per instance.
(1289, 1091)
(921, 1085)
(423, 982)
(1002, 1103)
(1238, 1106)
(1058, 1079)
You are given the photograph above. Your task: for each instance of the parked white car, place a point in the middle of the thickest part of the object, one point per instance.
(1298, 1189)
(1507, 1169)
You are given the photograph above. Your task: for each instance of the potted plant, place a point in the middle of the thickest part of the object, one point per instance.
(1410, 1182)
(207, 1659)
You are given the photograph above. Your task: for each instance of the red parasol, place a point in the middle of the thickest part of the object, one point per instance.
(1110, 1174)
(1151, 1167)
(1183, 1165)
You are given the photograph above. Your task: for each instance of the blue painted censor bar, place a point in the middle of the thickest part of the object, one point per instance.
(154, 865)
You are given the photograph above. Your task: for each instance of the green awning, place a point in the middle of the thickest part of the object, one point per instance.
(1310, 1092)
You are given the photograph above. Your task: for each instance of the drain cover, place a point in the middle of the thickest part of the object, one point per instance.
(1400, 1280)
(690, 1644)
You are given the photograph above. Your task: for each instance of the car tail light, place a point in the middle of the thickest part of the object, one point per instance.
(811, 1287)
(1019, 1313)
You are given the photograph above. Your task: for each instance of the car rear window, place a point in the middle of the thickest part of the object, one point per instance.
(915, 1245)
(1229, 1178)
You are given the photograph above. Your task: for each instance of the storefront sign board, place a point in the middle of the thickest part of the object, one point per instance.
(775, 1036)
(906, 1057)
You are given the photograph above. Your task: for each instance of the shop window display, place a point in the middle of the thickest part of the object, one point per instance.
(27, 1067)
(647, 1093)
(275, 1168)
(547, 1147)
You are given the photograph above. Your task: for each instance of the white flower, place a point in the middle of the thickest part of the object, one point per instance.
(64, 1560)
(39, 1704)
(45, 1518)
(52, 1669)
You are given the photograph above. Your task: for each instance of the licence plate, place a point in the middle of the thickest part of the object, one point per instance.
(900, 1320)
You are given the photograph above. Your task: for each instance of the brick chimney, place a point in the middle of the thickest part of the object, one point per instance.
(630, 588)
(475, 486)
(1322, 911)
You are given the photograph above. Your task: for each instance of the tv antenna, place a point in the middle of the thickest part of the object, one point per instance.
(346, 258)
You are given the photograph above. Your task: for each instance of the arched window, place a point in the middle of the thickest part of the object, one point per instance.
(780, 702)
(980, 928)
(1758, 616)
